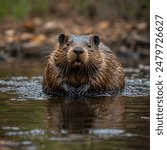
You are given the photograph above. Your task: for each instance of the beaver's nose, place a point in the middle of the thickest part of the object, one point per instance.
(78, 50)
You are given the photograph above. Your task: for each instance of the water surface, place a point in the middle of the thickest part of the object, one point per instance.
(30, 120)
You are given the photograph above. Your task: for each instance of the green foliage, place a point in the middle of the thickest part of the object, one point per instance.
(16, 8)
(80, 5)
(20, 9)
(40, 7)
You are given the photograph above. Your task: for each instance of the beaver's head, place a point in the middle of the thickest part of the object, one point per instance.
(78, 51)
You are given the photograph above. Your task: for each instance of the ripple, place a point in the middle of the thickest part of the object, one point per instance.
(109, 133)
(30, 133)
(31, 88)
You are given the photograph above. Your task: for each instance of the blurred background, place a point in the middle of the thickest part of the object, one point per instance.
(28, 28)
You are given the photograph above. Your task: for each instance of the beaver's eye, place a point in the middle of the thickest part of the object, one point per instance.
(67, 43)
(89, 45)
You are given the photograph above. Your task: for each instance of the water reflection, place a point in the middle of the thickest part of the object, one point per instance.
(118, 121)
(79, 116)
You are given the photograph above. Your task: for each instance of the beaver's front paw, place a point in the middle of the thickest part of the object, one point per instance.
(81, 91)
(69, 90)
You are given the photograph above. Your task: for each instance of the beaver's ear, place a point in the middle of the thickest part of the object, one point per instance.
(96, 40)
(62, 37)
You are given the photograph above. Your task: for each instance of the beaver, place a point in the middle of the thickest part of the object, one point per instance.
(80, 65)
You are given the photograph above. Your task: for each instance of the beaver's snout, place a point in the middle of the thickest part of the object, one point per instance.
(78, 57)
(78, 50)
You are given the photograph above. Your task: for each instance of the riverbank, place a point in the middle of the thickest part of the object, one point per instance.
(36, 38)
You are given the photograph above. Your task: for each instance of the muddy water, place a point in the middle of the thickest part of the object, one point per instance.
(30, 120)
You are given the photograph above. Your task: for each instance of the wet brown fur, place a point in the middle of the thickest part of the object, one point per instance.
(100, 69)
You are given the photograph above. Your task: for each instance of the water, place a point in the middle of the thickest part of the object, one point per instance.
(30, 120)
